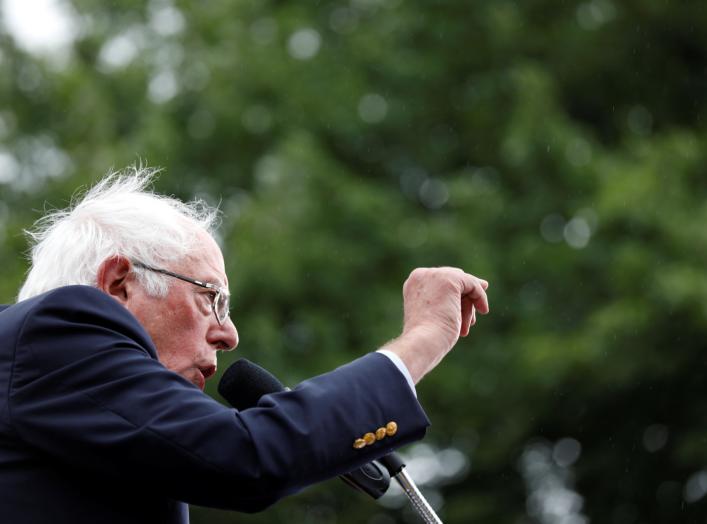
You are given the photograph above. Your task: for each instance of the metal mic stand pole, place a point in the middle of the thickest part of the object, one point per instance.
(394, 464)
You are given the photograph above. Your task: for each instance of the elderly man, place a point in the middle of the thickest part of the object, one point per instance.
(117, 328)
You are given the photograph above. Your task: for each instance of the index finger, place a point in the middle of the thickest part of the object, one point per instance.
(475, 289)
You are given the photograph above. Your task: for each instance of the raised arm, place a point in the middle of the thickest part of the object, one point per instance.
(440, 305)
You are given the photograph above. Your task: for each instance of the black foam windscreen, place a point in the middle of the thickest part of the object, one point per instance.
(244, 383)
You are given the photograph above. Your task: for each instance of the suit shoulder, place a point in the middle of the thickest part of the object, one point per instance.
(76, 293)
(77, 301)
(80, 309)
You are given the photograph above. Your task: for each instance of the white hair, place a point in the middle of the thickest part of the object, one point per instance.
(118, 216)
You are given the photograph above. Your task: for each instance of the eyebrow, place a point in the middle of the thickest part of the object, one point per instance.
(219, 283)
(216, 280)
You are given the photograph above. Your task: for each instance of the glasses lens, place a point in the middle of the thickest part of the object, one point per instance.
(221, 307)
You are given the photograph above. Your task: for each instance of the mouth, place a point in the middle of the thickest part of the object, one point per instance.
(208, 371)
(205, 373)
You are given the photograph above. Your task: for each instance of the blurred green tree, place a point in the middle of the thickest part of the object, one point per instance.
(556, 149)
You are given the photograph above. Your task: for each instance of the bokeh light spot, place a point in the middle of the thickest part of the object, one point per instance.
(552, 227)
(566, 452)
(655, 437)
(577, 233)
(304, 44)
(163, 87)
(434, 193)
(372, 108)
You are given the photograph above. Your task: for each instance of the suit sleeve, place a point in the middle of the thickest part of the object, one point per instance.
(86, 389)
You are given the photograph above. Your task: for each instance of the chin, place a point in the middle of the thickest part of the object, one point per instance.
(195, 377)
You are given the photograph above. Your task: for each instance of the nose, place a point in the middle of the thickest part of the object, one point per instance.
(225, 337)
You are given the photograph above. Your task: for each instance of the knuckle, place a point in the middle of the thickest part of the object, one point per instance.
(418, 272)
(415, 276)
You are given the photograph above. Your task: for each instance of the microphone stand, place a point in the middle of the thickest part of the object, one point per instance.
(394, 464)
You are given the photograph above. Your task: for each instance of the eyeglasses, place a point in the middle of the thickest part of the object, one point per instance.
(221, 298)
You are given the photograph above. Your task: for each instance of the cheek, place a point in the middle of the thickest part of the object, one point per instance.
(176, 335)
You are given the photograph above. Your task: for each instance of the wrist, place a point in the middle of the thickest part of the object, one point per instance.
(419, 349)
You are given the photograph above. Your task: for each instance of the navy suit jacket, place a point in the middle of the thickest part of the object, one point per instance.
(94, 429)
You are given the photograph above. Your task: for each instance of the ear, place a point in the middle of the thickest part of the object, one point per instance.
(114, 278)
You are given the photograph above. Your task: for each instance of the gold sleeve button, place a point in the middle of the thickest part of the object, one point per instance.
(359, 443)
(391, 428)
(380, 433)
(369, 438)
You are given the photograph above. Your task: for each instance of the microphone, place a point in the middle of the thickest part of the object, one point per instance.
(244, 383)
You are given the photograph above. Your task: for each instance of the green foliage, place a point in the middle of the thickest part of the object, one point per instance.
(555, 148)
